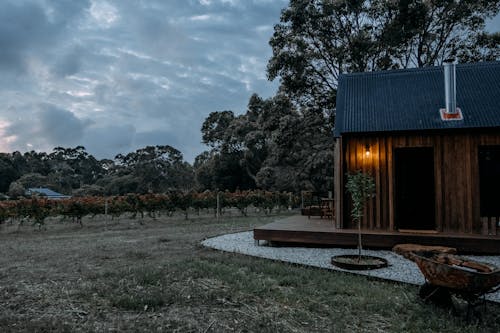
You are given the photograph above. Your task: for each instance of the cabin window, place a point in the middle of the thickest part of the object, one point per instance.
(489, 180)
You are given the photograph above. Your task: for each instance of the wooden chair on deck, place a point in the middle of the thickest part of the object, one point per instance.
(324, 209)
(327, 208)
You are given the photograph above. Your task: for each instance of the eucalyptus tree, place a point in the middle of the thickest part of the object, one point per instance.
(274, 145)
(70, 168)
(8, 172)
(156, 169)
(317, 40)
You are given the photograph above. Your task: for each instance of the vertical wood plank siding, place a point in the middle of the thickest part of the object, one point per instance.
(338, 181)
(456, 173)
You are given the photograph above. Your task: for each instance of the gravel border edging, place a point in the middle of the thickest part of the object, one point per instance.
(400, 269)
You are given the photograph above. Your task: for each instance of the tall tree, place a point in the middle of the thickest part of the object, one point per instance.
(31, 162)
(425, 33)
(70, 168)
(316, 40)
(301, 157)
(158, 168)
(221, 171)
(274, 144)
(214, 129)
(8, 172)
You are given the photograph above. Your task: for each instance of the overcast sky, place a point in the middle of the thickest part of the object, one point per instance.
(118, 75)
(115, 76)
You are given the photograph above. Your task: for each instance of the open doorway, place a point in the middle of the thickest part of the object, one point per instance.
(489, 180)
(414, 188)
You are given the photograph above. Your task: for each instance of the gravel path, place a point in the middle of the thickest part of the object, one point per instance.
(400, 269)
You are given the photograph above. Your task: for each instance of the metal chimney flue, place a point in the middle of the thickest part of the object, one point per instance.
(450, 87)
(450, 112)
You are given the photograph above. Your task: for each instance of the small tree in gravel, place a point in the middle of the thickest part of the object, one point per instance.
(361, 186)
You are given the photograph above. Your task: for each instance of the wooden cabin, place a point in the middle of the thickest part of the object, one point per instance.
(430, 137)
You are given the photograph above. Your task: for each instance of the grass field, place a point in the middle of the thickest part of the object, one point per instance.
(154, 276)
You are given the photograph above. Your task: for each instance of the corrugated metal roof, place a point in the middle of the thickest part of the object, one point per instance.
(410, 99)
(47, 192)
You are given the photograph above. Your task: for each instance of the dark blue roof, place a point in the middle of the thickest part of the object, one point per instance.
(410, 99)
(47, 192)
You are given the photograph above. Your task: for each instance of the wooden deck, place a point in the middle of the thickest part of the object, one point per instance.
(300, 229)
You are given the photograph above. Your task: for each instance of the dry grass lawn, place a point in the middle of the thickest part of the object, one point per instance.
(153, 276)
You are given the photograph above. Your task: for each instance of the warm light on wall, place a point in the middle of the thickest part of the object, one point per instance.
(367, 150)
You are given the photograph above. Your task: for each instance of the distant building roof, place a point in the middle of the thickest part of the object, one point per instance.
(410, 99)
(47, 193)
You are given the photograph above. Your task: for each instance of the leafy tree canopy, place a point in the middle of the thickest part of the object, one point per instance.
(316, 40)
(156, 168)
(8, 172)
(272, 146)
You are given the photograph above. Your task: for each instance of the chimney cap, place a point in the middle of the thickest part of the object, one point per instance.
(449, 61)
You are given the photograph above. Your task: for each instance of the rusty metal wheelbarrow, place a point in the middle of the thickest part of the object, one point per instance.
(468, 278)
(447, 272)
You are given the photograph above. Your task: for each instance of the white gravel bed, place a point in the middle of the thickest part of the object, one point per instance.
(400, 269)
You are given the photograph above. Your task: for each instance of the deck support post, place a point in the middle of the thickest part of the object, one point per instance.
(493, 226)
(484, 225)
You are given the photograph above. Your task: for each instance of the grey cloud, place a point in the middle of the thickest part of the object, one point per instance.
(70, 63)
(103, 93)
(58, 125)
(44, 126)
(152, 31)
(109, 141)
(32, 29)
(23, 27)
(189, 142)
(156, 137)
(65, 11)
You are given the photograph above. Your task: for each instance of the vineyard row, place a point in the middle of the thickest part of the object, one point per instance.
(37, 209)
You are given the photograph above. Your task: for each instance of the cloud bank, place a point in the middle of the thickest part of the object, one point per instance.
(115, 76)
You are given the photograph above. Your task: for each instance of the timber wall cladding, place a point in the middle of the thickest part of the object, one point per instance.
(456, 174)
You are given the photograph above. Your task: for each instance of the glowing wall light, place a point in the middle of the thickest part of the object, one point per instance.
(367, 150)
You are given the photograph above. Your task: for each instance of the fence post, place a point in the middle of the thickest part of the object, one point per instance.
(218, 206)
(106, 212)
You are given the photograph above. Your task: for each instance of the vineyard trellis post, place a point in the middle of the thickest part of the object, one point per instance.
(106, 212)
(218, 205)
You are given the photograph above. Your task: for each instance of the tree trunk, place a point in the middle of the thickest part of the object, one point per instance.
(359, 241)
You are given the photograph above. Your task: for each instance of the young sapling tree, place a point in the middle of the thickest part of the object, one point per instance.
(361, 187)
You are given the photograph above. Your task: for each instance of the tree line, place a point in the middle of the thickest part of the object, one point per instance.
(285, 142)
(73, 171)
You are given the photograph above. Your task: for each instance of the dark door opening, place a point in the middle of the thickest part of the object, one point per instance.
(414, 189)
(489, 180)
